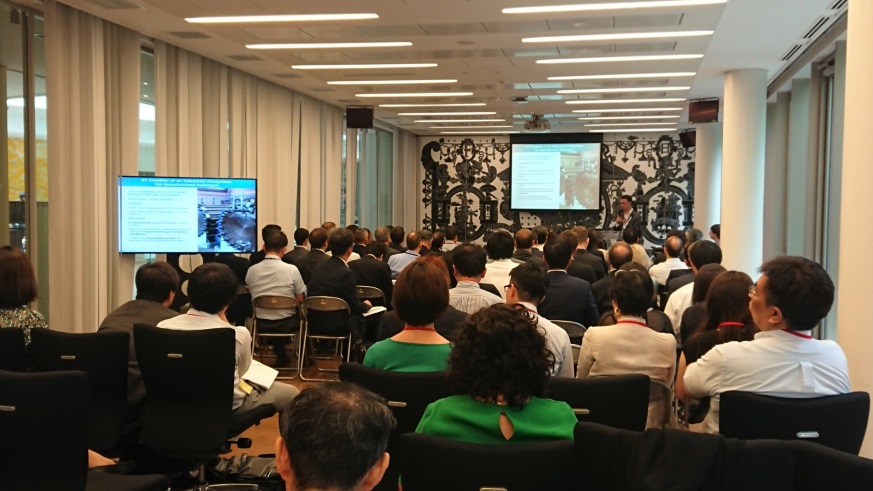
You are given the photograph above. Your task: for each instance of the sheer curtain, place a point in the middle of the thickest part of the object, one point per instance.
(408, 175)
(92, 77)
(321, 127)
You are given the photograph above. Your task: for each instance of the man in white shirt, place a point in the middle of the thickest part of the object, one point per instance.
(468, 261)
(451, 241)
(672, 250)
(700, 254)
(211, 288)
(527, 287)
(791, 297)
(272, 276)
(500, 247)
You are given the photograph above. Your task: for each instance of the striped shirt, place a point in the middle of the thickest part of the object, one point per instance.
(468, 297)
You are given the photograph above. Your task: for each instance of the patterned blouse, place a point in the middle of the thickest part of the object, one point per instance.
(22, 318)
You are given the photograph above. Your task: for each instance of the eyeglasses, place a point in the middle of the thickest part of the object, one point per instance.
(506, 288)
(753, 289)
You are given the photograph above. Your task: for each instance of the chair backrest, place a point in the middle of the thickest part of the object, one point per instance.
(13, 354)
(371, 293)
(818, 467)
(575, 330)
(620, 401)
(188, 377)
(326, 304)
(43, 430)
(104, 357)
(273, 302)
(838, 421)
(429, 463)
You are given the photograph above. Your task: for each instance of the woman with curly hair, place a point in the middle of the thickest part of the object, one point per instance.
(17, 290)
(500, 363)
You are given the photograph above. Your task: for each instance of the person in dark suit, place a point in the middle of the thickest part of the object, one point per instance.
(333, 278)
(627, 217)
(301, 240)
(582, 256)
(383, 235)
(268, 230)
(397, 235)
(524, 251)
(567, 298)
(619, 254)
(371, 271)
(307, 263)
(436, 244)
(360, 242)
(579, 270)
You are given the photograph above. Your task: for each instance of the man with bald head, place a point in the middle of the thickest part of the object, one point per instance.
(525, 240)
(399, 261)
(619, 254)
(672, 249)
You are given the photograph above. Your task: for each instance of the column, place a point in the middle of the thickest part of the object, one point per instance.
(796, 178)
(707, 177)
(855, 270)
(775, 173)
(742, 175)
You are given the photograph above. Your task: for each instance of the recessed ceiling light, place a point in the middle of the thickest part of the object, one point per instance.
(632, 130)
(459, 120)
(622, 89)
(453, 104)
(417, 94)
(608, 59)
(610, 6)
(623, 101)
(625, 75)
(631, 124)
(462, 113)
(616, 36)
(612, 118)
(388, 44)
(633, 110)
(469, 127)
(391, 82)
(478, 132)
(230, 19)
(365, 66)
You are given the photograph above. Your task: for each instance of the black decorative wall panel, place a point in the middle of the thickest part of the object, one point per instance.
(466, 184)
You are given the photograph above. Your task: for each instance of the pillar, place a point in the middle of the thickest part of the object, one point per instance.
(742, 189)
(775, 174)
(707, 176)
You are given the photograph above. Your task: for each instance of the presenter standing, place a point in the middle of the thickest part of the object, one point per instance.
(627, 218)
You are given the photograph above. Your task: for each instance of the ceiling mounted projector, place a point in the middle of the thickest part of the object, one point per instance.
(537, 124)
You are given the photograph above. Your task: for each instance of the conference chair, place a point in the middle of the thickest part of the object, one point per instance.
(429, 463)
(575, 330)
(576, 349)
(838, 421)
(276, 302)
(324, 304)
(104, 357)
(407, 394)
(188, 377)
(44, 433)
(13, 353)
(663, 394)
(373, 294)
(818, 467)
(620, 401)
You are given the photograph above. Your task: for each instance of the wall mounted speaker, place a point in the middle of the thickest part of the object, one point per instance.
(359, 116)
(703, 110)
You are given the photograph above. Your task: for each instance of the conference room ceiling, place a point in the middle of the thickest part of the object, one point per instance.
(480, 46)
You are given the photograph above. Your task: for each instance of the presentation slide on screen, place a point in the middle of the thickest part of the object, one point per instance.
(555, 176)
(186, 215)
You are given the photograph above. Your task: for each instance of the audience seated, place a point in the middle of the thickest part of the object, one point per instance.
(525, 240)
(692, 318)
(541, 233)
(383, 236)
(17, 289)
(715, 233)
(436, 244)
(499, 248)
(370, 270)
(582, 256)
(630, 346)
(567, 298)
(334, 437)
(397, 235)
(500, 364)
(579, 270)
(655, 319)
(272, 276)
(307, 263)
(632, 236)
(672, 250)
(420, 297)
(792, 295)
(266, 231)
(661, 257)
(528, 284)
(451, 242)
(468, 261)
(700, 254)
(301, 240)
(156, 285)
(619, 254)
(361, 241)
(211, 288)
(426, 237)
(412, 252)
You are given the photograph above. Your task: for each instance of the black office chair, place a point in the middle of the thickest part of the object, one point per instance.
(429, 463)
(817, 467)
(407, 394)
(44, 432)
(621, 401)
(13, 354)
(838, 421)
(575, 330)
(276, 302)
(323, 304)
(104, 357)
(189, 377)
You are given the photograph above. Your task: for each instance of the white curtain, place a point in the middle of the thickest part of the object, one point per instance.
(92, 76)
(408, 174)
(321, 127)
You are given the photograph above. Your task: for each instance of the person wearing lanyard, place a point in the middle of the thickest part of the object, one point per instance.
(792, 295)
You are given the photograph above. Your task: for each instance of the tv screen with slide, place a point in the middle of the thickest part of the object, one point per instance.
(555, 176)
(186, 215)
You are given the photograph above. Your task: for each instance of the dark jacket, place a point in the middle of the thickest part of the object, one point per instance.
(569, 298)
(307, 263)
(332, 278)
(370, 271)
(582, 256)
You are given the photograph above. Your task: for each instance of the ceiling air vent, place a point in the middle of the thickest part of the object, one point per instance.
(321, 89)
(245, 57)
(116, 4)
(839, 4)
(791, 52)
(816, 27)
(189, 35)
(287, 75)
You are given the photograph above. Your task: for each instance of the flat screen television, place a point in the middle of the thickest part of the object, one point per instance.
(555, 172)
(186, 215)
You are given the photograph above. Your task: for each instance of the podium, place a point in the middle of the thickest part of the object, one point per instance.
(609, 237)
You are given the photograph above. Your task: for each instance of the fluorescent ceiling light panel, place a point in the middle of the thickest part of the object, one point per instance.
(233, 19)
(458, 104)
(616, 36)
(608, 59)
(460, 113)
(365, 66)
(386, 44)
(618, 90)
(417, 94)
(392, 82)
(469, 127)
(654, 123)
(588, 7)
(477, 132)
(459, 120)
(632, 130)
(616, 118)
(620, 76)
(623, 101)
(632, 110)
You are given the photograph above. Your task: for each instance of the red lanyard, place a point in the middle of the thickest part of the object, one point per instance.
(419, 329)
(726, 324)
(632, 322)
(795, 333)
